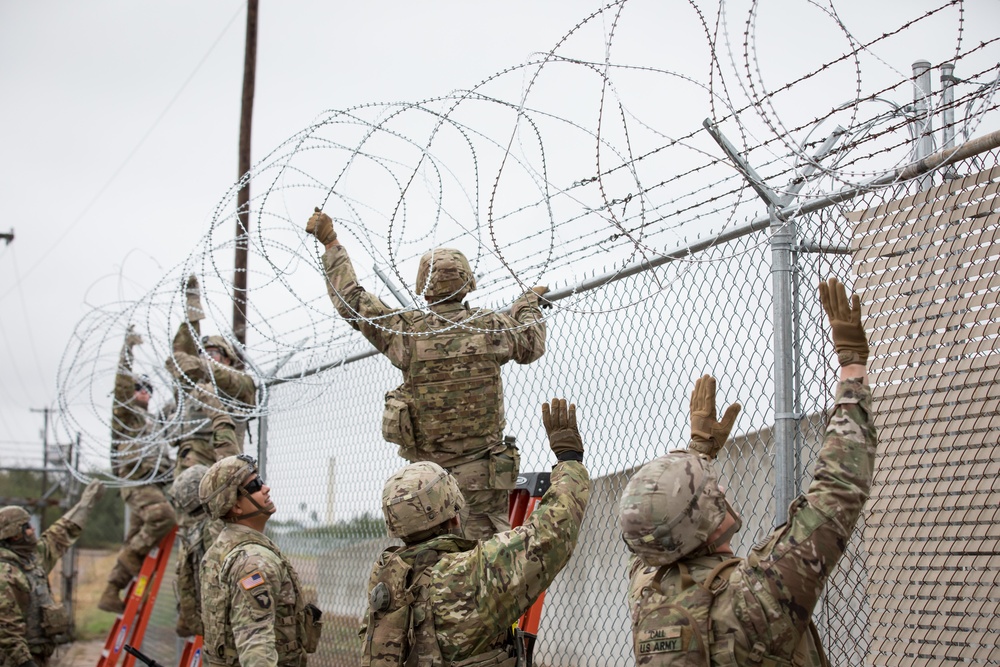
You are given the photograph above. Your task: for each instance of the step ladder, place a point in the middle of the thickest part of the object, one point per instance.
(130, 626)
(522, 502)
(191, 656)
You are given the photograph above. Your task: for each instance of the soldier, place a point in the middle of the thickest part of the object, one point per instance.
(31, 623)
(691, 602)
(443, 600)
(137, 456)
(220, 367)
(252, 604)
(449, 409)
(197, 532)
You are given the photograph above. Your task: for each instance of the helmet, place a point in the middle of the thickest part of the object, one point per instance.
(445, 274)
(185, 489)
(12, 520)
(419, 497)
(224, 345)
(671, 507)
(220, 487)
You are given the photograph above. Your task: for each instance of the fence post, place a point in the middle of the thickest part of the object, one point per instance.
(923, 124)
(785, 479)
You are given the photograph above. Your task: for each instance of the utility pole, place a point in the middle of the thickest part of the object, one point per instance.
(45, 462)
(240, 288)
(7, 236)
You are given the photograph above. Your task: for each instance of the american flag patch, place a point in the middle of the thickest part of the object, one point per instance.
(253, 581)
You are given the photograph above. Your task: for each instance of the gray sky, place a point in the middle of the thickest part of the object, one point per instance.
(120, 120)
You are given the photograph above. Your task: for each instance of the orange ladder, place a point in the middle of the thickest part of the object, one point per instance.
(130, 626)
(522, 502)
(191, 657)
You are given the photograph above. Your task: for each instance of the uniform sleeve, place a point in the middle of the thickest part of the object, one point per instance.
(523, 330)
(13, 604)
(358, 306)
(785, 578)
(516, 566)
(127, 421)
(54, 542)
(254, 589)
(235, 384)
(224, 440)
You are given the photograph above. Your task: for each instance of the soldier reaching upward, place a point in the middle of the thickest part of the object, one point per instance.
(691, 601)
(138, 456)
(450, 408)
(442, 600)
(31, 623)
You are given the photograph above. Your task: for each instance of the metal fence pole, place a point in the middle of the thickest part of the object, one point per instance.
(947, 105)
(785, 482)
(923, 125)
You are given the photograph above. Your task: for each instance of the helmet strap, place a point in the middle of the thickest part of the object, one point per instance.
(260, 510)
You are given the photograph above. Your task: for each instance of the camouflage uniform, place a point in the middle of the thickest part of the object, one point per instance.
(466, 594)
(136, 456)
(196, 533)
(715, 610)
(253, 609)
(449, 409)
(31, 623)
(236, 389)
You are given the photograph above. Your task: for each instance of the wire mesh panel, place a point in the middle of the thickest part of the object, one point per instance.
(927, 265)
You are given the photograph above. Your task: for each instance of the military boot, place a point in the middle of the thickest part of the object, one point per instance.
(111, 597)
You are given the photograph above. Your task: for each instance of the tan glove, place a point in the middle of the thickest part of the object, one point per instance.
(192, 300)
(132, 337)
(542, 290)
(560, 425)
(320, 225)
(80, 513)
(708, 435)
(849, 339)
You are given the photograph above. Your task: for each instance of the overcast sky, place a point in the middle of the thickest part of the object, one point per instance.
(120, 120)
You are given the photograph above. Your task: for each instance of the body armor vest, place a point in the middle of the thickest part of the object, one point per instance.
(400, 630)
(454, 379)
(296, 632)
(673, 624)
(47, 623)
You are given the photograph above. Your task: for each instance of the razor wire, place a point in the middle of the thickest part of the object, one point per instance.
(645, 232)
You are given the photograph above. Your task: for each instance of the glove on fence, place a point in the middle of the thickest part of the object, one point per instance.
(848, 335)
(192, 300)
(320, 225)
(541, 290)
(707, 434)
(560, 425)
(80, 513)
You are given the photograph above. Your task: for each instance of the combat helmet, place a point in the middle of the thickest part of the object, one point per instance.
(222, 344)
(419, 497)
(670, 508)
(12, 520)
(220, 487)
(444, 274)
(185, 490)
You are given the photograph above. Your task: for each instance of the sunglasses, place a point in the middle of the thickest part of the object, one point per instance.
(142, 387)
(254, 485)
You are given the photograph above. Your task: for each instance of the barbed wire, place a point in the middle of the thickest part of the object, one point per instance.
(578, 162)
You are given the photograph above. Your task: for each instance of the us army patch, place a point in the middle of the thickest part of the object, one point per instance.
(665, 640)
(253, 581)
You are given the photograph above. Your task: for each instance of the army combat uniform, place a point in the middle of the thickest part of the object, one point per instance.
(195, 534)
(236, 389)
(31, 623)
(252, 604)
(464, 594)
(716, 610)
(449, 409)
(135, 455)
